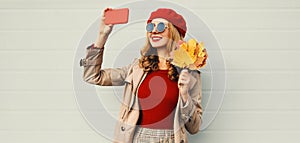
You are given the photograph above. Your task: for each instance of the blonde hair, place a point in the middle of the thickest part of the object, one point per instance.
(149, 59)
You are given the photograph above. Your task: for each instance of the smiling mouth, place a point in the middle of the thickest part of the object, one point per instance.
(156, 38)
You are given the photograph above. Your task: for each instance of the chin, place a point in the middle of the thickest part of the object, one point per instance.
(158, 45)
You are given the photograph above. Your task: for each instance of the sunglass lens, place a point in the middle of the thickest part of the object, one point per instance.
(160, 27)
(150, 27)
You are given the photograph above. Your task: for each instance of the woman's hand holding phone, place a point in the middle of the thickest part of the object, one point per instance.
(109, 18)
(105, 28)
(104, 31)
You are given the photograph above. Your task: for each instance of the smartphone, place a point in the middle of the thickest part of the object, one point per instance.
(116, 16)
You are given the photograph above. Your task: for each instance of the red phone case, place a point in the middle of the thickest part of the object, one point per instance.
(116, 16)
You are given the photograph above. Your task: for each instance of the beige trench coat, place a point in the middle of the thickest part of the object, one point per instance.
(187, 117)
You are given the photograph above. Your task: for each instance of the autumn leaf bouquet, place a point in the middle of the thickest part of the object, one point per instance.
(190, 55)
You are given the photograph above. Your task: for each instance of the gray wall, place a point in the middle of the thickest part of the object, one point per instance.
(259, 44)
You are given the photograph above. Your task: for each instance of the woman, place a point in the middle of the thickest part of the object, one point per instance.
(159, 104)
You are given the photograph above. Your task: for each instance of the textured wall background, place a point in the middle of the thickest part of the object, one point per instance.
(259, 40)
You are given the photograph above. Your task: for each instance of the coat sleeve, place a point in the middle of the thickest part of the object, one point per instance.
(93, 74)
(191, 112)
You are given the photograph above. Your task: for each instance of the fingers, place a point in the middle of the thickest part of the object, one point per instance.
(183, 82)
(184, 77)
(184, 73)
(103, 13)
(105, 28)
(105, 10)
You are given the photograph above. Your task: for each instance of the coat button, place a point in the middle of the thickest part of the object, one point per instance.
(122, 128)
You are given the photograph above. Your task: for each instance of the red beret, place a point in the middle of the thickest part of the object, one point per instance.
(176, 19)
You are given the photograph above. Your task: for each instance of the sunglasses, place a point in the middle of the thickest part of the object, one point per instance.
(160, 27)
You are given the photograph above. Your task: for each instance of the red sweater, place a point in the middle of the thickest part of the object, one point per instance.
(158, 96)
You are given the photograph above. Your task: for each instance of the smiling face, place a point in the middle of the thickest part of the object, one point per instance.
(159, 39)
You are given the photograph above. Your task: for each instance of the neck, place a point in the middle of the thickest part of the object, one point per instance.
(162, 54)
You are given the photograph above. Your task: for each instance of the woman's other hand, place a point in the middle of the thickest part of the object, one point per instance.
(183, 82)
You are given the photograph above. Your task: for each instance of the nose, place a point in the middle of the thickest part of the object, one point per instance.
(154, 29)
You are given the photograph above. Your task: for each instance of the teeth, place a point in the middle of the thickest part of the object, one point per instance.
(156, 38)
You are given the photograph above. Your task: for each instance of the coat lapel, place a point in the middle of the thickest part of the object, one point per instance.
(137, 75)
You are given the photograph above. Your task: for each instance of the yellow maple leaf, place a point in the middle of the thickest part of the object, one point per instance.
(182, 58)
(190, 55)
